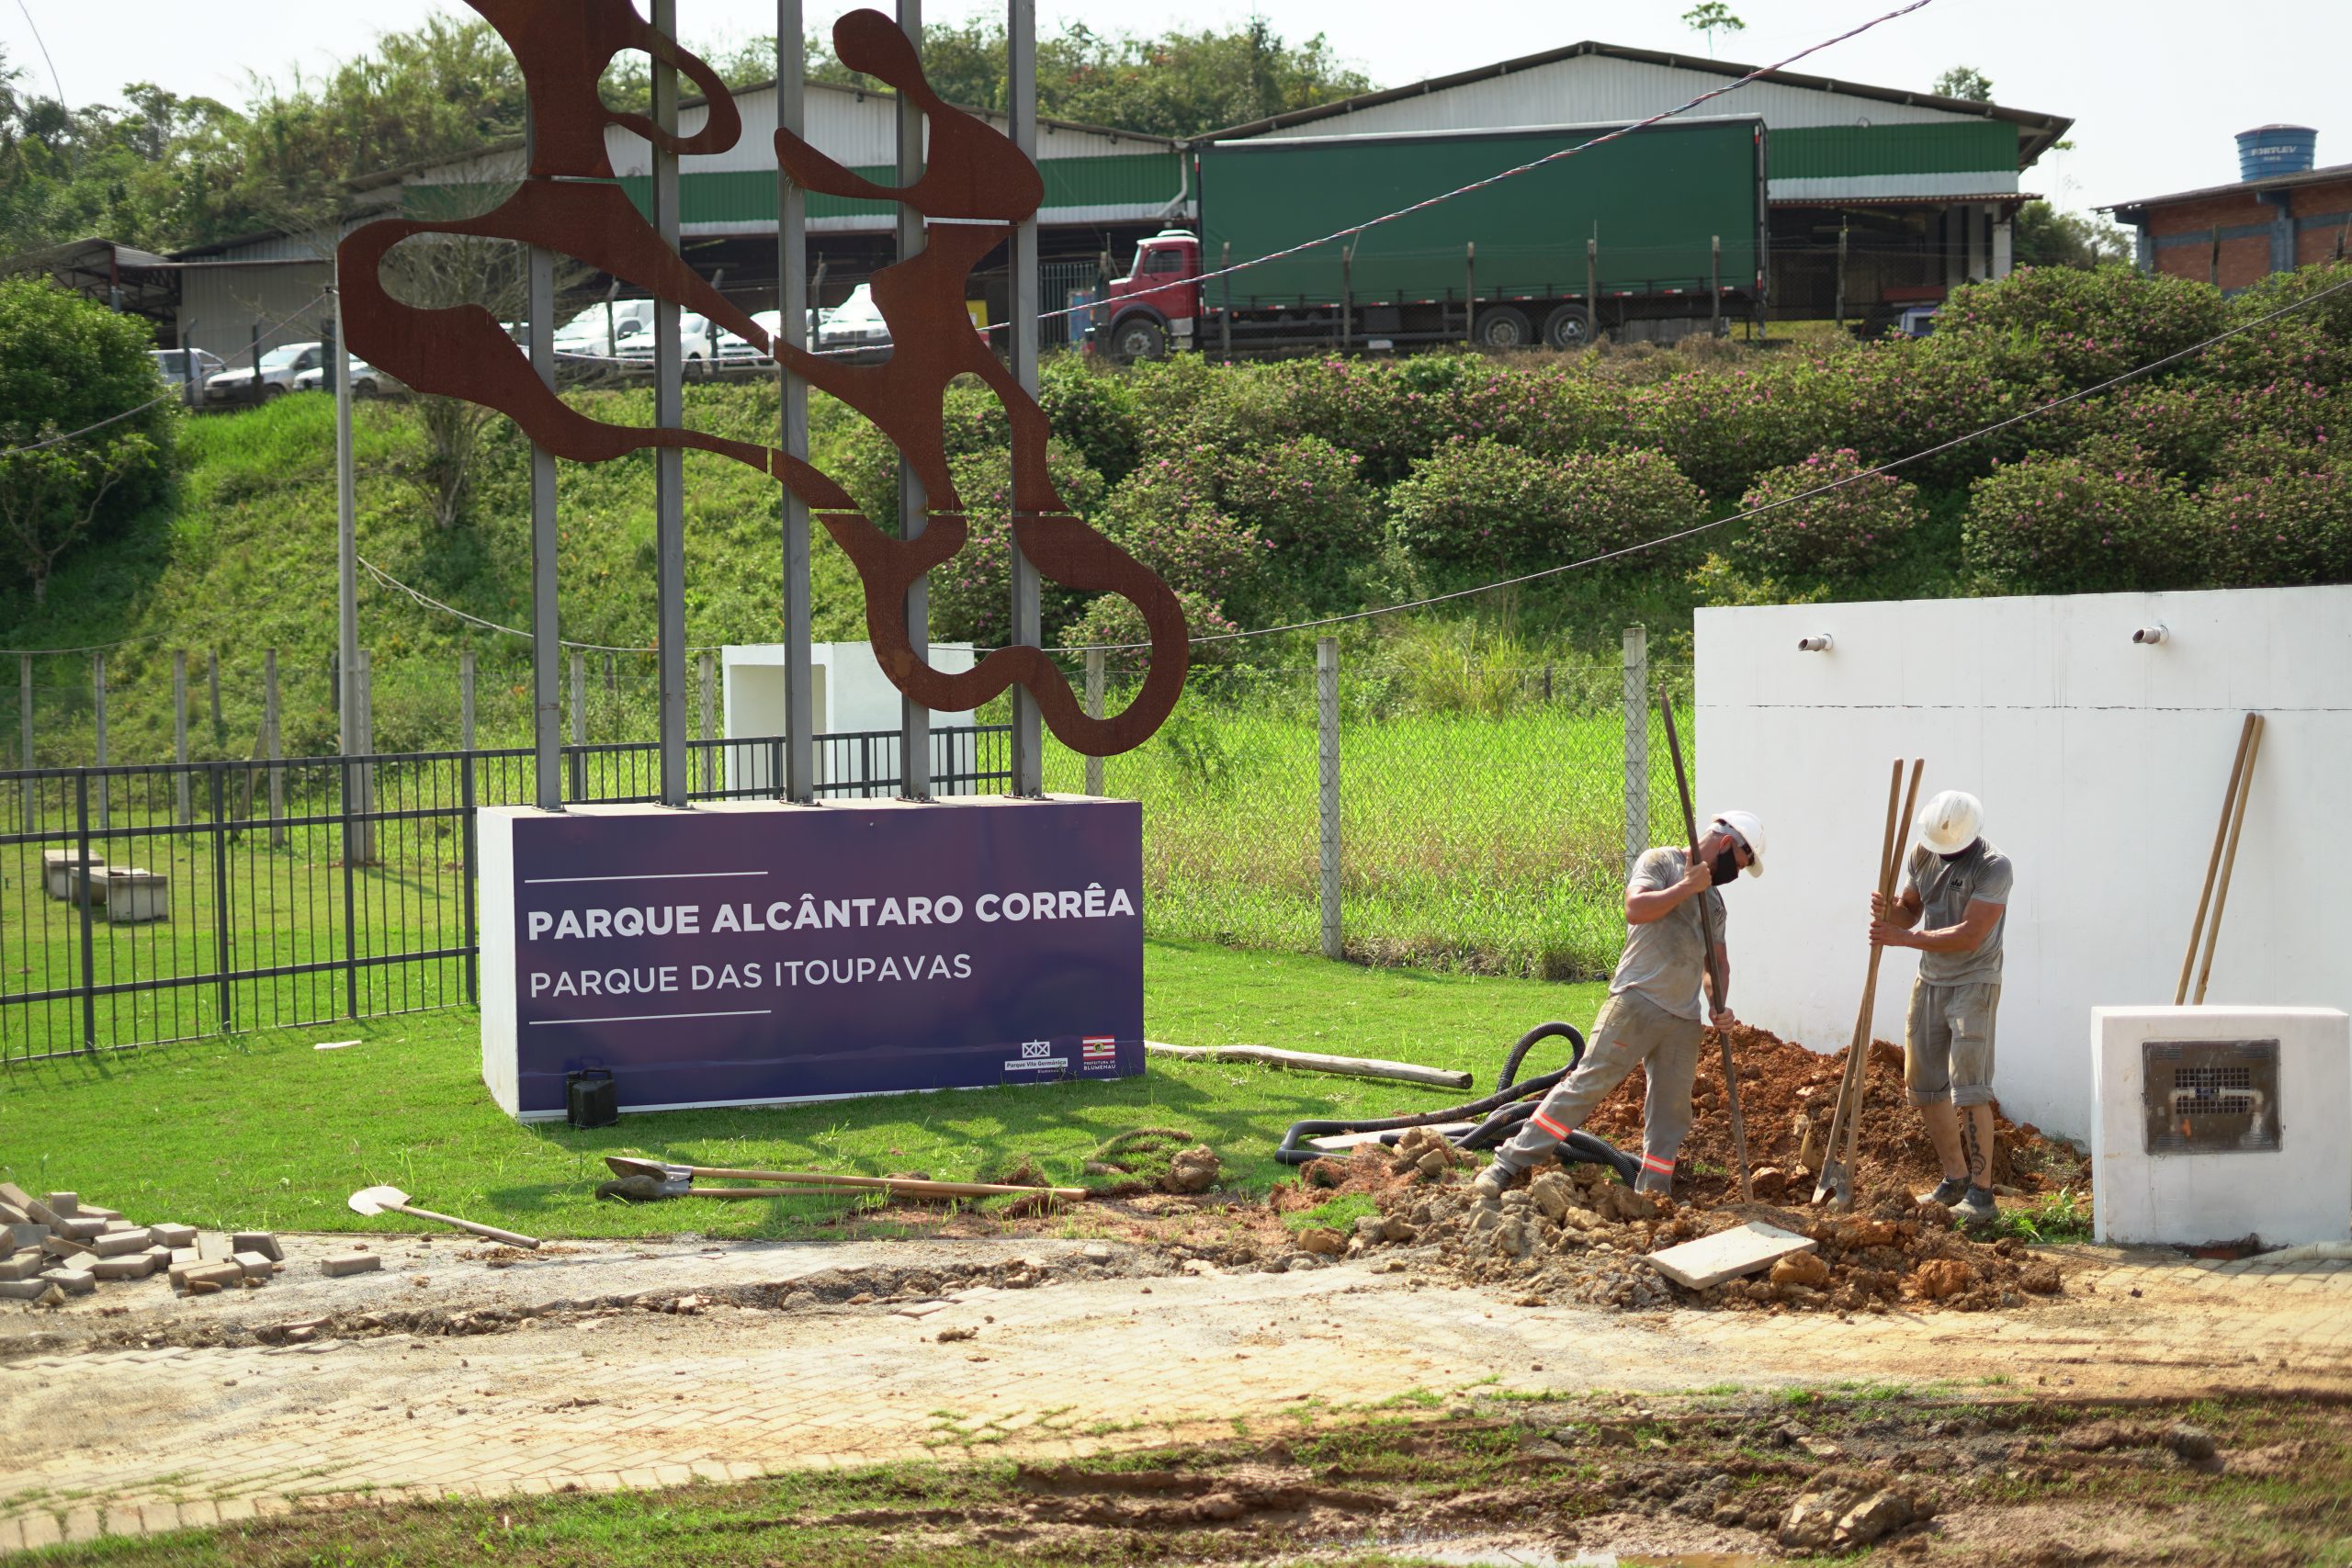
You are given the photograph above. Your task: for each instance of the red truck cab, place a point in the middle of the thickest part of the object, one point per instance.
(1156, 305)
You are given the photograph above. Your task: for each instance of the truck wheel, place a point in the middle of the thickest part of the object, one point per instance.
(1564, 327)
(1139, 337)
(1501, 326)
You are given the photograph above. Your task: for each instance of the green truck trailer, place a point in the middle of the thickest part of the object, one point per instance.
(1655, 235)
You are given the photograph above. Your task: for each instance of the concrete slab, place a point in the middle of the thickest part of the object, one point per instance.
(1726, 1255)
(1350, 1140)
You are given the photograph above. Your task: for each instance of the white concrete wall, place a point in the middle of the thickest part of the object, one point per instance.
(2301, 1191)
(2101, 765)
(851, 696)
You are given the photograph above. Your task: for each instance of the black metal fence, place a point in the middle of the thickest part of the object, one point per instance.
(140, 904)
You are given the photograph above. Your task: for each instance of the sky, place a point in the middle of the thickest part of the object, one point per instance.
(2156, 89)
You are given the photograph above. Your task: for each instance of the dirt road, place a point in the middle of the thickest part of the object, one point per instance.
(586, 1369)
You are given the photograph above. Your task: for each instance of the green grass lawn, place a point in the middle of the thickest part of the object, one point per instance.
(262, 1130)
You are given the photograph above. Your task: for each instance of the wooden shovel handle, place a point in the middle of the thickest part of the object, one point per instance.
(510, 1238)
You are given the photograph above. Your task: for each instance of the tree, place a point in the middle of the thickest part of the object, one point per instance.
(85, 424)
(1712, 17)
(1965, 83)
(2042, 236)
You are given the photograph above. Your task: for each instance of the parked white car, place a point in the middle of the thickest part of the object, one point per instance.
(603, 332)
(367, 381)
(173, 365)
(856, 324)
(279, 367)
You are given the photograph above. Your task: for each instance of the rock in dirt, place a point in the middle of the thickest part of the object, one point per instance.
(1801, 1269)
(2042, 1278)
(2193, 1444)
(1943, 1277)
(1192, 1170)
(1322, 1241)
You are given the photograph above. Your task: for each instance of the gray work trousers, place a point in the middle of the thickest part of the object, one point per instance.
(1631, 1032)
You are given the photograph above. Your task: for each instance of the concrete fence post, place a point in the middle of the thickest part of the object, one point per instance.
(27, 793)
(98, 715)
(1637, 745)
(365, 701)
(579, 699)
(708, 671)
(1093, 710)
(466, 699)
(273, 741)
(179, 735)
(1326, 717)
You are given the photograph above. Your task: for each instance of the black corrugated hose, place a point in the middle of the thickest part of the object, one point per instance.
(1500, 1114)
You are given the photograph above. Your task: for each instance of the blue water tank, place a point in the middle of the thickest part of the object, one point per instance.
(2269, 149)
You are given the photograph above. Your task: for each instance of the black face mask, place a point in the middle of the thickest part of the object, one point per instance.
(1726, 868)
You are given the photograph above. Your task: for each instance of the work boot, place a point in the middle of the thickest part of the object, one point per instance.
(1650, 1184)
(1977, 1207)
(1949, 1191)
(1488, 1188)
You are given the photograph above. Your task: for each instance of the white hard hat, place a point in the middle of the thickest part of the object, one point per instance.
(1751, 833)
(1951, 822)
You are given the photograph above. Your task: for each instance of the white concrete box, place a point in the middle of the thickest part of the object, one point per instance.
(134, 895)
(856, 709)
(2215, 1124)
(57, 868)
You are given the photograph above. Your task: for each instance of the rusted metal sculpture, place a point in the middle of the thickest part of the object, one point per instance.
(976, 187)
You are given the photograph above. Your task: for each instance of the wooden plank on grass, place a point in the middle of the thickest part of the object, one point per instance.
(1308, 1062)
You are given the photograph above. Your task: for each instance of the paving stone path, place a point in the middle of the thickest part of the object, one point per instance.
(121, 1441)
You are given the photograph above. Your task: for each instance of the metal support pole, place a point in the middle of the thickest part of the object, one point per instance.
(546, 649)
(256, 363)
(668, 462)
(1347, 295)
(1327, 717)
(1592, 289)
(273, 746)
(1025, 296)
(1225, 307)
(27, 793)
(1469, 293)
(98, 697)
(466, 699)
(798, 782)
(1637, 745)
(1094, 710)
(1842, 227)
(579, 699)
(346, 541)
(179, 735)
(914, 728)
(1715, 285)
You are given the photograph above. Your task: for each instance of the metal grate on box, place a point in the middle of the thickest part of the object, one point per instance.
(2211, 1096)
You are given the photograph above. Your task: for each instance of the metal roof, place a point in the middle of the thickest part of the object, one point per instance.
(2037, 131)
(2328, 176)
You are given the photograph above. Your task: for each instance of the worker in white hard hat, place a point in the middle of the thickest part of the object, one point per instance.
(1954, 903)
(1653, 1018)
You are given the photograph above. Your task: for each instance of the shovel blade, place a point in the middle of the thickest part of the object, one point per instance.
(376, 1200)
(630, 1164)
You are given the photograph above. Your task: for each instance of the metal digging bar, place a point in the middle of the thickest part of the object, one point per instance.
(1836, 1184)
(1713, 971)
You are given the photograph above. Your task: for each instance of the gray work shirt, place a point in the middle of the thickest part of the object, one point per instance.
(1665, 960)
(1946, 888)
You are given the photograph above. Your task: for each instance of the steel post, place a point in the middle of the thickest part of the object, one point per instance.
(273, 746)
(1028, 625)
(1327, 717)
(1094, 710)
(798, 778)
(547, 647)
(179, 735)
(668, 462)
(1637, 745)
(914, 728)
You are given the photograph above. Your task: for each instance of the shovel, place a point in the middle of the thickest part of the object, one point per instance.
(677, 1182)
(392, 1201)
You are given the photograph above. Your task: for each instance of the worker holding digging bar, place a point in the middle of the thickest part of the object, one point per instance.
(1653, 1017)
(1958, 886)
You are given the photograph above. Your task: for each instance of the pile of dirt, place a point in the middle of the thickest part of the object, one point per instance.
(1787, 1095)
(1579, 1235)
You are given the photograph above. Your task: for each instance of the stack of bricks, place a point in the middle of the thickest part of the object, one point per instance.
(57, 1247)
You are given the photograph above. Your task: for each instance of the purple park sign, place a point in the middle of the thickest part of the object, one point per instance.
(753, 952)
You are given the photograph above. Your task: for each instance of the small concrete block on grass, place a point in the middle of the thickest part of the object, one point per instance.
(208, 1276)
(172, 1235)
(23, 1289)
(15, 1196)
(97, 1212)
(214, 1248)
(73, 1282)
(134, 1266)
(253, 1265)
(26, 1235)
(22, 1265)
(116, 1243)
(81, 1229)
(10, 1214)
(344, 1263)
(261, 1242)
(67, 1204)
(1726, 1255)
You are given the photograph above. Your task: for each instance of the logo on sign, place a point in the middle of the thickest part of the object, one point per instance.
(1100, 1051)
(1037, 1056)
